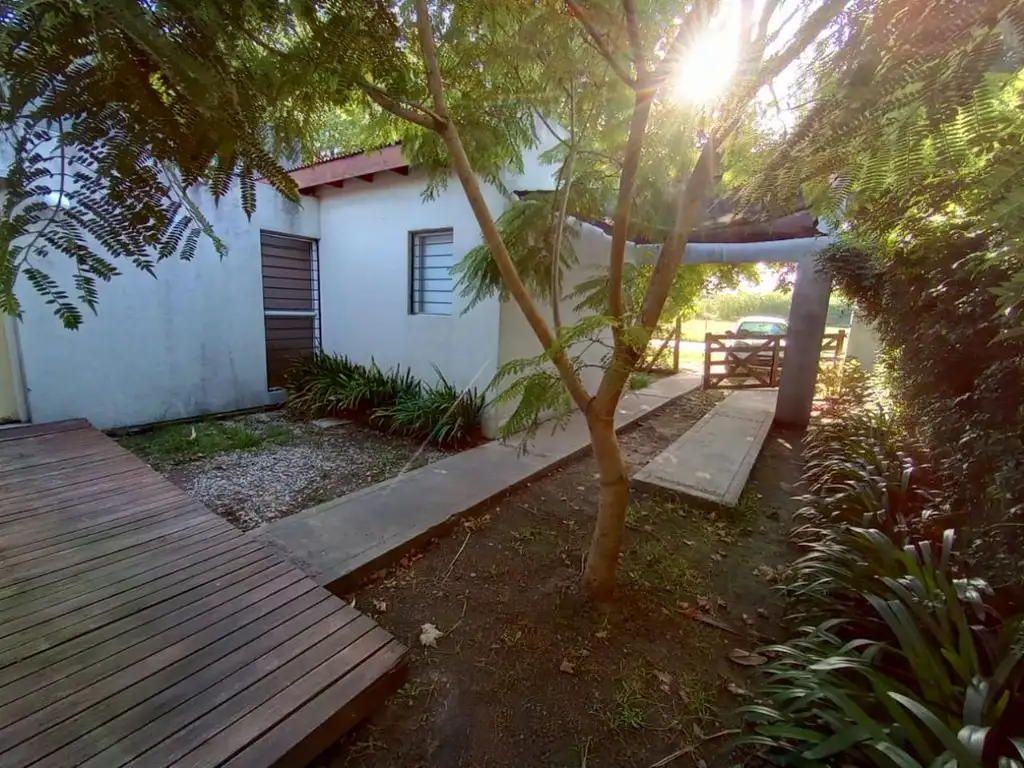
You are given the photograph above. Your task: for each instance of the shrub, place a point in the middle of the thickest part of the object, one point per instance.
(440, 413)
(317, 384)
(640, 380)
(843, 386)
(369, 388)
(899, 658)
(393, 399)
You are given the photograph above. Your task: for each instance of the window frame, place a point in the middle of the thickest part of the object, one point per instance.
(411, 260)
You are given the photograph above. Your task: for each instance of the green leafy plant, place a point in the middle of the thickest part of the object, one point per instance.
(640, 380)
(441, 413)
(393, 399)
(317, 384)
(844, 386)
(898, 657)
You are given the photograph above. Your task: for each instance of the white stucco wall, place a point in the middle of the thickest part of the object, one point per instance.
(517, 339)
(364, 280)
(864, 345)
(189, 342)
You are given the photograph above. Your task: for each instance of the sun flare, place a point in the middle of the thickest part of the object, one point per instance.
(705, 71)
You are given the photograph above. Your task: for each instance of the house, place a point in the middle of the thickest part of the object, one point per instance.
(359, 267)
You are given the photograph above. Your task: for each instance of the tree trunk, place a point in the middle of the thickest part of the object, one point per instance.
(603, 557)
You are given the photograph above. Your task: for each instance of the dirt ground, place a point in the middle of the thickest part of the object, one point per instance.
(528, 674)
(281, 465)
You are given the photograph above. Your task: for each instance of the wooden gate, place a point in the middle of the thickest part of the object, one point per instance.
(757, 363)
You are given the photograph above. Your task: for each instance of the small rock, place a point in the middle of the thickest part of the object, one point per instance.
(746, 658)
(380, 605)
(762, 613)
(746, 619)
(329, 423)
(567, 666)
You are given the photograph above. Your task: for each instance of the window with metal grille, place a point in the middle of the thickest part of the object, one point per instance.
(431, 284)
(291, 302)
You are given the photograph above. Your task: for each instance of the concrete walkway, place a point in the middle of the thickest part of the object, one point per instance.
(713, 460)
(341, 541)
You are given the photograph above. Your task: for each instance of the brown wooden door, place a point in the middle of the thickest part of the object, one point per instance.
(291, 302)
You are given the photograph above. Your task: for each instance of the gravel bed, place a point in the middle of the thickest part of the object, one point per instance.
(253, 487)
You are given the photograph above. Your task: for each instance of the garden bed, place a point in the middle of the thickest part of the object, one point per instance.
(261, 467)
(528, 674)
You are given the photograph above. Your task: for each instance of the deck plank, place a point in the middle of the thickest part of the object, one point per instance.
(137, 628)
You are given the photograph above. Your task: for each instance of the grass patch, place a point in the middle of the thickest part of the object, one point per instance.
(178, 443)
(632, 701)
(657, 564)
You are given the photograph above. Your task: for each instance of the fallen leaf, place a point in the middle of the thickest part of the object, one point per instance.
(703, 603)
(716, 558)
(746, 658)
(664, 680)
(567, 666)
(429, 635)
(601, 633)
(380, 605)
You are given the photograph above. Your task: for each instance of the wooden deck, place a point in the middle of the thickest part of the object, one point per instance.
(138, 628)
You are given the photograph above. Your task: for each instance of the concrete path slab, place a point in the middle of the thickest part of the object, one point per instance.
(713, 460)
(342, 540)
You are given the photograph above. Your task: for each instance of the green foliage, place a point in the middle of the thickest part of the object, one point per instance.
(394, 399)
(640, 380)
(440, 412)
(910, 145)
(106, 112)
(318, 384)
(528, 231)
(954, 371)
(733, 306)
(898, 658)
(843, 385)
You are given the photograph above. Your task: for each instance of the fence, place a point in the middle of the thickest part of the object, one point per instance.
(750, 362)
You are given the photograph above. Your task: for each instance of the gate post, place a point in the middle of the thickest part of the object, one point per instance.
(807, 317)
(675, 348)
(706, 383)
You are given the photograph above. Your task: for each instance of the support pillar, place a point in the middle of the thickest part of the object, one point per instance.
(807, 316)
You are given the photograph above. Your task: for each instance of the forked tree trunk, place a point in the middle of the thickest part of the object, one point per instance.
(613, 500)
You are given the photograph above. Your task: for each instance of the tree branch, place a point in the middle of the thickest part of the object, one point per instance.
(471, 184)
(690, 201)
(599, 42)
(414, 113)
(624, 203)
(767, 12)
(633, 31)
(556, 251)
